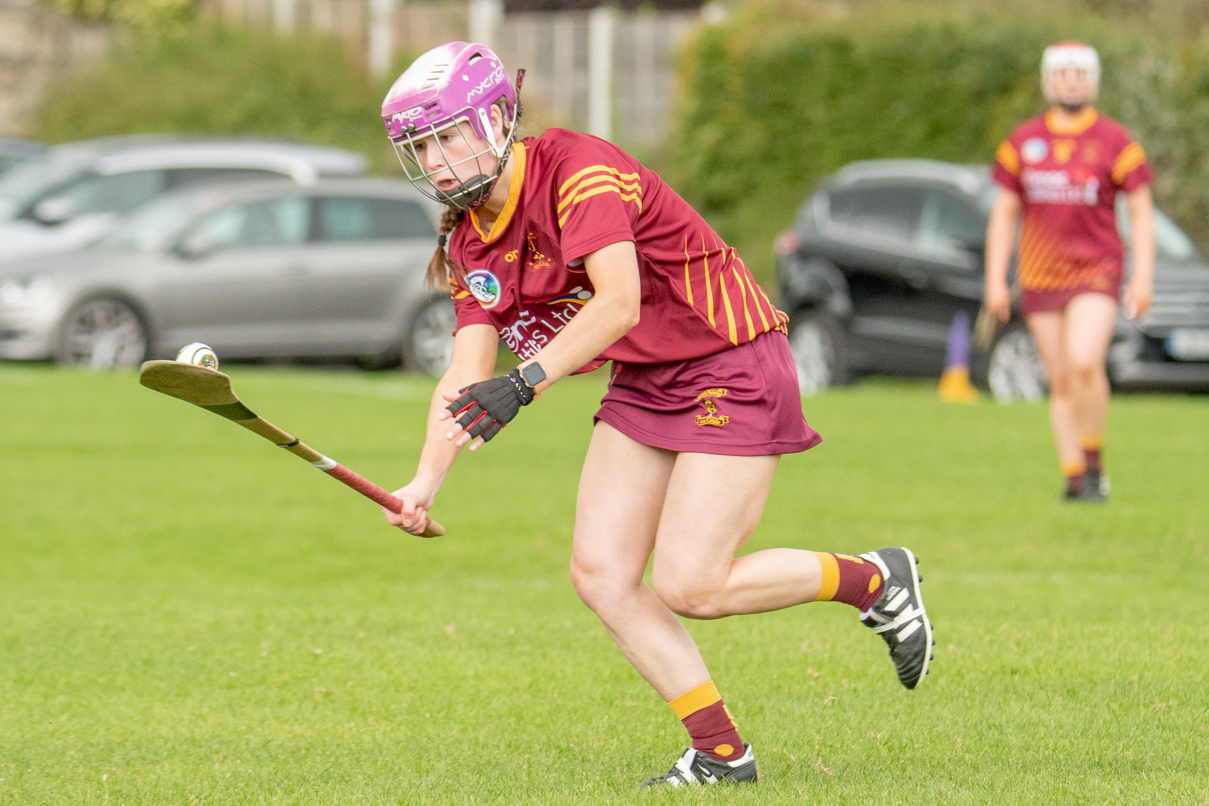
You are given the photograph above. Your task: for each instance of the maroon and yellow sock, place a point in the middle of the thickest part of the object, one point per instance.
(1092, 449)
(850, 580)
(1073, 471)
(708, 722)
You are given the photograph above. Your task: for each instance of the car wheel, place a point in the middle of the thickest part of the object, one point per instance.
(428, 343)
(101, 334)
(1014, 368)
(817, 343)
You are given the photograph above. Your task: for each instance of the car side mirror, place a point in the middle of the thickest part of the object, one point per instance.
(195, 246)
(55, 211)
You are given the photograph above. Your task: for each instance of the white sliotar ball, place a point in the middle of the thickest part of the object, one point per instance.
(199, 355)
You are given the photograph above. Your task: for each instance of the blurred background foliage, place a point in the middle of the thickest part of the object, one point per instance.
(202, 78)
(773, 98)
(783, 93)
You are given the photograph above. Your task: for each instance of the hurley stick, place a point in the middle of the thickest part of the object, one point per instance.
(211, 390)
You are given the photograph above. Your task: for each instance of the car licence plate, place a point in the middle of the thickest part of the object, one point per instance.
(1188, 344)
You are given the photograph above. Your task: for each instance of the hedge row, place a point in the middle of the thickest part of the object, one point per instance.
(213, 80)
(773, 105)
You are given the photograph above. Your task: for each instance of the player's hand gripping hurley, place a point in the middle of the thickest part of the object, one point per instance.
(211, 390)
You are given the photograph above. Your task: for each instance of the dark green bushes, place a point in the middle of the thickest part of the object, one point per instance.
(773, 104)
(220, 81)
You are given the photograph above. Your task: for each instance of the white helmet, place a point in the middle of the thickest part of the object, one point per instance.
(1070, 54)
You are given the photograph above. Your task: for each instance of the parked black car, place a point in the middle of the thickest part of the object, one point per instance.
(885, 253)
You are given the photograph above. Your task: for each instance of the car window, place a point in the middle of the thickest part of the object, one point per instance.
(186, 176)
(276, 222)
(24, 184)
(350, 218)
(112, 193)
(948, 221)
(884, 210)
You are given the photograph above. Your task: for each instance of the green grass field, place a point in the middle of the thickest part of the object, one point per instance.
(190, 616)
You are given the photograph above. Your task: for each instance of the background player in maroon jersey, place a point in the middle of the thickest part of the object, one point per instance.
(1061, 172)
(574, 253)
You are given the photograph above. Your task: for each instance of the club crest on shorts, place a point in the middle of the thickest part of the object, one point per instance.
(712, 417)
(485, 287)
(1034, 149)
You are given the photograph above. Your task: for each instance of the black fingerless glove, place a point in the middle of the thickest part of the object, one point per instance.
(486, 407)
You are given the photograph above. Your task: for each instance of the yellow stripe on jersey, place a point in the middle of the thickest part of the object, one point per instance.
(587, 194)
(751, 327)
(576, 193)
(731, 330)
(709, 285)
(593, 168)
(1006, 156)
(759, 309)
(1132, 157)
(688, 281)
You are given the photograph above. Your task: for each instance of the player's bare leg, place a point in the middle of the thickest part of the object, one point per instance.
(1048, 334)
(713, 505)
(621, 494)
(1088, 323)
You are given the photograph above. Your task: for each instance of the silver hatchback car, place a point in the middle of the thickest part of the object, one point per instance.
(255, 270)
(76, 192)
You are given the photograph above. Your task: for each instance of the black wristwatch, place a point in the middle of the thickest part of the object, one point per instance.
(533, 374)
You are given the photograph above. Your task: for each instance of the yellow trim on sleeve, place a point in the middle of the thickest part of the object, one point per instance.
(691, 702)
(831, 577)
(1006, 156)
(629, 177)
(1130, 158)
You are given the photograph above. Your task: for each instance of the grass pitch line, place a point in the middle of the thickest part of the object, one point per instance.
(211, 390)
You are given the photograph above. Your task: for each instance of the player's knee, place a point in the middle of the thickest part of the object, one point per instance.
(1086, 368)
(1059, 382)
(685, 597)
(596, 586)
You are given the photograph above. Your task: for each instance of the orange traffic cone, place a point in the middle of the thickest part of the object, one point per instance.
(955, 386)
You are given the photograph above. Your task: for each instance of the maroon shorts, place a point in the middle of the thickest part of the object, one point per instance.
(743, 401)
(1031, 301)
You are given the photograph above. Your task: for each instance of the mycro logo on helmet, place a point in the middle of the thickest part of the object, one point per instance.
(484, 286)
(497, 75)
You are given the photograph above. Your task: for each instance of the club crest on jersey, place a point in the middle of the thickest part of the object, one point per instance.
(1034, 149)
(711, 417)
(484, 286)
(537, 260)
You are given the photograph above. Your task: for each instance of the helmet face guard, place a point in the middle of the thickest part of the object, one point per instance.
(1070, 55)
(453, 87)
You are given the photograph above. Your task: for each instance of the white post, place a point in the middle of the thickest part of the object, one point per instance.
(283, 16)
(485, 19)
(601, 27)
(381, 45)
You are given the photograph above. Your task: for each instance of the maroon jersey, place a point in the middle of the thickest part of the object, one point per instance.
(1068, 181)
(572, 194)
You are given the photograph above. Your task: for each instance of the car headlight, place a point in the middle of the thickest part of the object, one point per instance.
(26, 291)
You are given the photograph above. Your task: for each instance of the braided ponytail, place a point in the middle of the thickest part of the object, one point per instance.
(441, 267)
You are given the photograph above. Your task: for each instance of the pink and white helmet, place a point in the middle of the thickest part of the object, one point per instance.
(1070, 54)
(450, 84)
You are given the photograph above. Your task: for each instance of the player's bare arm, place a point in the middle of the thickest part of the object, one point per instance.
(1001, 232)
(474, 352)
(1140, 293)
